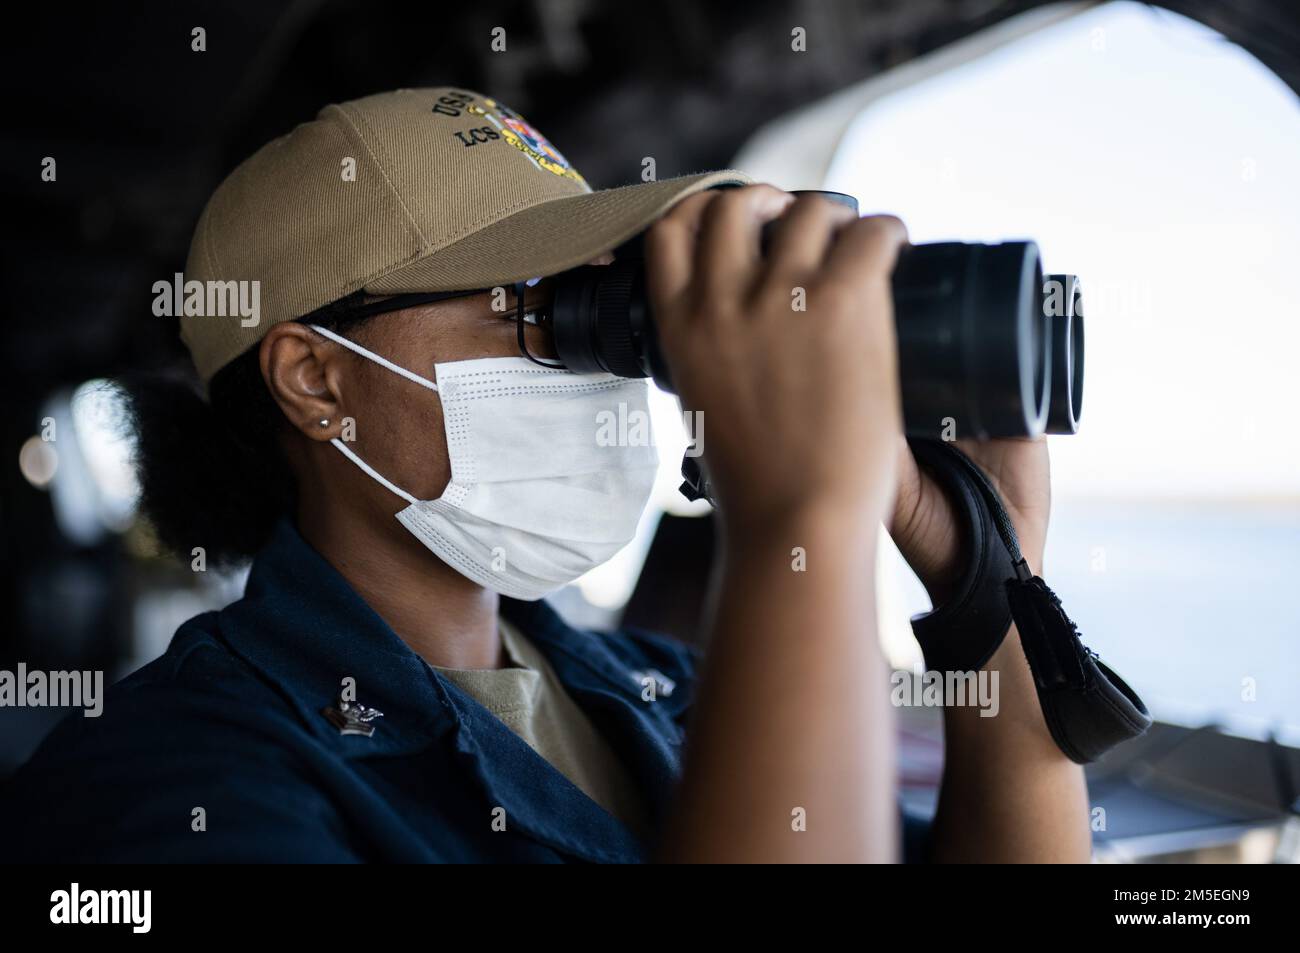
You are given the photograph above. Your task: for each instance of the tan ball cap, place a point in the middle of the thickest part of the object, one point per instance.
(415, 190)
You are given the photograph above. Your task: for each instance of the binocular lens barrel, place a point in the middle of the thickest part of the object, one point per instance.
(1063, 309)
(987, 347)
(972, 340)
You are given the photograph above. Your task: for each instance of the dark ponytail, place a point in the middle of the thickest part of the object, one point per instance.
(212, 473)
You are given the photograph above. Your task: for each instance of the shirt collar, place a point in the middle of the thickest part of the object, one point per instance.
(303, 626)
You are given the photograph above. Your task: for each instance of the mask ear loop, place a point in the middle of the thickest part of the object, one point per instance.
(519, 330)
(372, 356)
(371, 471)
(342, 447)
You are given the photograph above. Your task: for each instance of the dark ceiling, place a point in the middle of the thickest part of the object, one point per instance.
(143, 128)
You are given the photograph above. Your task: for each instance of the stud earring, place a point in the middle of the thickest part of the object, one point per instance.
(324, 421)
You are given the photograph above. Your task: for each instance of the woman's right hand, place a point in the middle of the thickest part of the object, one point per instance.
(801, 423)
(801, 407)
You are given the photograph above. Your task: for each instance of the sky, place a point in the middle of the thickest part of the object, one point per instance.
(1161, 163)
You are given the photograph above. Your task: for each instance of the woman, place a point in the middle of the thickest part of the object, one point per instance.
(391, 687)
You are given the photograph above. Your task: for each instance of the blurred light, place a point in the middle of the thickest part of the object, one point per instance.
(94, 490)
(610, 585)
(38, 461)
(672, 439)
(99, 416)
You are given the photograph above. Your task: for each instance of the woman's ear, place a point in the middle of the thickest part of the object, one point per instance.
(303, 371)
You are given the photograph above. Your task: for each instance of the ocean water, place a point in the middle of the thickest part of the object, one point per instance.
(1196, 605)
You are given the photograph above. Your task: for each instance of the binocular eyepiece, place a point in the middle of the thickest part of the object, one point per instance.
(988, 346)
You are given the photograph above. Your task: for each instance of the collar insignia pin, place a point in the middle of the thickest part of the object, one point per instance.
(352, 718)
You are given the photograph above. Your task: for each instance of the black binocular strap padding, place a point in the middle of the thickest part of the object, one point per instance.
(963, 633)
(1088, 708)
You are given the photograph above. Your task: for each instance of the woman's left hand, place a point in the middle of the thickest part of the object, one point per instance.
(923, 524)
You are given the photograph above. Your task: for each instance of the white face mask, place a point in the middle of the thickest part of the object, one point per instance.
(534, 499)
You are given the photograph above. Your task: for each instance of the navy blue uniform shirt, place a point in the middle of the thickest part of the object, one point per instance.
(229, 720)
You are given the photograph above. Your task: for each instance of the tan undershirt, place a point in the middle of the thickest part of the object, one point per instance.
(530, 699)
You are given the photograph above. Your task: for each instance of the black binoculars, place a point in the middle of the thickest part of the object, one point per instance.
(988, 346)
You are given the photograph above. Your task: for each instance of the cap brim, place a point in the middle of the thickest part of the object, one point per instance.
(547, 238)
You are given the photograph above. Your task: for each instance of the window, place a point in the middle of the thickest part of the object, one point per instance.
(1158, 161)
